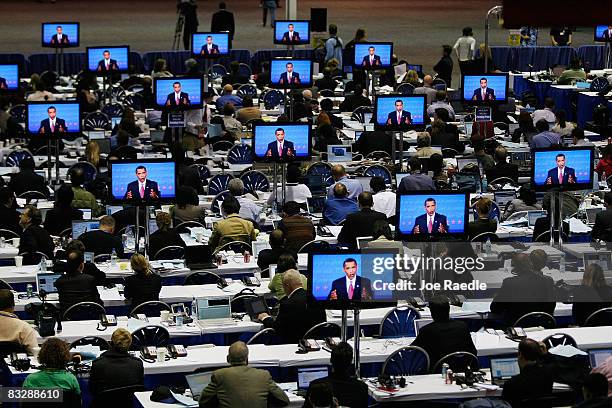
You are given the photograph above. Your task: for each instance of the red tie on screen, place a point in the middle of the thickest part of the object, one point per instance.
(351, 290)
(399, 118)
(483, 95)
(52, 127)
(280, 150)
(142, 191)
(430, 225)
(177, 100)
(371, 60)
(560, 177)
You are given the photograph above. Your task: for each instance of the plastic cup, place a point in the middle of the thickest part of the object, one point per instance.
(164, 315)
(18, 261)
(16, 242)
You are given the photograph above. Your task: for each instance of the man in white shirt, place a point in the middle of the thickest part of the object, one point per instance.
(547, 113)
(384, 199)
(465, 46)
(295, 191)
(353, 186)
(440, 103)
(13, 329)
(248, 209)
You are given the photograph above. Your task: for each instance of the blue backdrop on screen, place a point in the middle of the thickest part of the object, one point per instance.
(496, 83)
(162, 173)
(579, 160)
(329, 267)
(219, 39)
(301, 67)
(191, 86)
(381, 50)
(452, 206)
(599, 33)
(95, 55)
(70, 30)
(10, 73)
(386, 105)
(68, 112)
(301, 27)
(297, 134)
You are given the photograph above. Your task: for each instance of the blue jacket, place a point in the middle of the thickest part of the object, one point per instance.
(336, 209)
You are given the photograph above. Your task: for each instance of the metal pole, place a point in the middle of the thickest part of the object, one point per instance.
(401, 149)
(49, 162)
(560, 224)
(275, 183)
(494, 10)
(356, 339)
(553, 214)
(344, 326)
(283, 183)
(61, 71)
(57, 63)
(147, 232)
(57, 178)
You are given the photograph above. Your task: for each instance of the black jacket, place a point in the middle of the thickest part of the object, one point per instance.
(268, 257)
(188, 176)
(59, 219)
(223, 20)
(349, 391)
(142, 288)
(359, 224)
(603, 225)
(36, 239)
(534, 381)
(9, 219)
(481, 226)
(374, 141)
(352, 102)
(90, 268)
(442, 338)
(448, 138)
(27, 180)
(161, 239)
(76, 288)
(503, 170)
(444, 68)
(522, 294)
(295, 317)
(114, 369)
(100, 242)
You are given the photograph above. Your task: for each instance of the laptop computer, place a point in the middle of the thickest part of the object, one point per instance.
(86, 213)
(502, 369)
(306, 375)
(602, 258)
(597, 357)
(255, 306)
(339, 153)
(258, 246)
(367, 117)
(583, 85)
(532, 216)
(96, 134)
(365, 182)
(104, 145)
(503, 197)
(362, 242)
(468, 127)
(46, 282)
(214, 129)
(197, 382)
(461, 163)
(415, 67)
(214, 311)
(115, 121)
(80, 227)
(399, 177)
(111, 209)
(157, 136)
(316, 204)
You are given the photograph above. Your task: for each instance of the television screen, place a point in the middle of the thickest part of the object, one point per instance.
(482, 89)
(400, 112)
(603, 33)
(290, 73)
(373, 55)
(60, 35)
(143, 181)
(345, 279)
(210, 45)
(280, 142)
(105, 60)
(566, 169)
(422, 216)
(9, 77)
(291, 32)
(53, 118)
(178, 92)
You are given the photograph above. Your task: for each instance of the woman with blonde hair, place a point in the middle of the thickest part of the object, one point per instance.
(412, 78)
(144, 285)
(593, 294)
(92, 153)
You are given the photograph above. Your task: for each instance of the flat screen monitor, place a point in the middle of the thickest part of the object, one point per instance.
(210, 45)
(291, 32)
(423, 216)
(603, 33)
(108, 60)
(400, 112)
(9, 77)
(399, 177)
(53, 119)
(597, 357)
(46, 281)
(565, 169)
(415, 67)
(331, 275)
(534, 216)
(306, 375)
(81, 227)
(286, 73)
(601, 258)
(60, 35)
(178, 93)
(282, 142)
(339, 153)
(374, 55)
(503, 197)
(485, 89)
(148, 181)
(504, 368)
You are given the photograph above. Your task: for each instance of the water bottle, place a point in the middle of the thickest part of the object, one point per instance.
(488, 246)
(43, 266)
(194, 309)
(562, 264)
(141, 245)
(2, 242)
(484, 184)
(113, 259)
(130, 237)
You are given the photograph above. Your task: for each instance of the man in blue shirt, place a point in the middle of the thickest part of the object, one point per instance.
(415, 181)
(339, 206)
(545, 138)
(353, 186)
(333, 45)
(227, 97)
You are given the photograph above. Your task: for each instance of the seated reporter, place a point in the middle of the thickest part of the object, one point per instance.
(60, 217)
(13, 329)
(102, 240)
(90, 268)
(144, 285)
(266, 257)
(232, 227)
(53, 357)
(591, 295)
(74, 286)
(483, 223)
(115, 368)
(34, 238)
(285, 262)
(165, 235)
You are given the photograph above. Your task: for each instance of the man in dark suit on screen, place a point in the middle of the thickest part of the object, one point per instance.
(209, 48)
(607, 34)
(371, 60)
(142, 189)
(53, 124)
(350, 286)
(107, 64)
(281, 148)
(399, 117)
(177, 98)
(291, 36)
(59, 38)
(484, 93)
(561, 174)
(430, 223)
(290, 76)
(3, 84)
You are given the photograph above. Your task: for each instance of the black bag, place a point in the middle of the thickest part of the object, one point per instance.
(568, 370)
(45, 316)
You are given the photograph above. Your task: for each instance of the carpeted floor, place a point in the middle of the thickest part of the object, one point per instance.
(417, 27)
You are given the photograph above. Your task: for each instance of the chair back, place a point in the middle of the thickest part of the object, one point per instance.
(494, 212)
(247, 90)
(323, 330)
(255, 181)
(399, 322)
(202, 278)
(359, 113)
(219, 183)
(483, 237)
(240, 154)
(601, 317)
(273, 98)
(18, 113)
(406, 89)
(239, 302)
(84, 311)
(150, 335)
(410, 360)
(183, 227)
(236, 244)
(152, 308)
(217, 71)
(535, 319)
(322, 169)
(559, 339)
(266, 337)
(97, 121)
(32, 195)
(215, 206)
(377, 170)
(120, 397)
(458, 361)
(315, 245)
(89, 170)
(8, 234)
(170, 252)
(91, 341)
(102, 258)
(14, 158)
(203, 172)
(5, 285)
(222, 145)
(113, 110)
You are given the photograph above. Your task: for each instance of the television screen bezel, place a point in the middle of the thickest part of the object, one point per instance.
(46, 136)
(9, 91)
(281, 124)
(119, 71)
(565, 187)
(175, 79)
(278, 23)
(394, 128)
(358, 65)
(121, 201)
(491, 103)
(71, 45)
(292, 86)
(216, 56)
(596, 38)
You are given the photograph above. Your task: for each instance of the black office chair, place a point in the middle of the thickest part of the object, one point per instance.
(237, 246)
(458, 362)
(536, 319)
(323, 330)
(601, 317)
(410, 360)
(156, 336)
(151, 308)
(91, 341)
(314, 245)
(239, 302)
(559, 339)
(483, 237)
(202, 278)
(8, 347)
(5, 285)
(170, 252)
(119, 397)
(183, 227)
(266, 336)
(84, 311)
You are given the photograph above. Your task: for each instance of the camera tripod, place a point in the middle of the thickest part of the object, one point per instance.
(178, 30)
